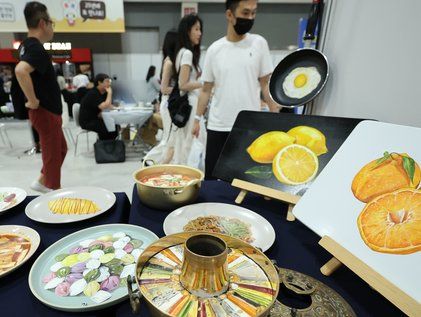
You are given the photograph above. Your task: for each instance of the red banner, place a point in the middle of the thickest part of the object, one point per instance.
(77, 55)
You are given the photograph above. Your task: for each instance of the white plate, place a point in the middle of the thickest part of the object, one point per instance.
(27, 233)
(262, 231)
(38, 209)
(41, 267)
(20, 196)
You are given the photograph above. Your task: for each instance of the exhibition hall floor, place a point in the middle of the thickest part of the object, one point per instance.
(18, 169)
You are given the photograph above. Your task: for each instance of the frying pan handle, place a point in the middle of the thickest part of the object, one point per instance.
(313, 19)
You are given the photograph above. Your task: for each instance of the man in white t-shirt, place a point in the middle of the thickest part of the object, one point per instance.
(238, 67)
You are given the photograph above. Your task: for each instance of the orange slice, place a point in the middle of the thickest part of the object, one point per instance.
(391, 223)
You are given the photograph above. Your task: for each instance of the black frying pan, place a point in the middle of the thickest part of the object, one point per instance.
(305, 57)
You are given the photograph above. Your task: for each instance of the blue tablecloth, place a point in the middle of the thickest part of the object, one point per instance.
(16, 298)
(296, 247)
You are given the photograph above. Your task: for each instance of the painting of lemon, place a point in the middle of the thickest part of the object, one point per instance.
(384, 175)
(309, 137)
(391, 223)
(266, 146)
(295, 164)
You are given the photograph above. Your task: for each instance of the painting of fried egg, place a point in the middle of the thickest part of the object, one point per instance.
(301, 81)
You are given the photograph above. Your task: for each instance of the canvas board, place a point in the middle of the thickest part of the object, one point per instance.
(331, 209)
(235, 161)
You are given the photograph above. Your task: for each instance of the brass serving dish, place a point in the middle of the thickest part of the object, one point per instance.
(204, 277)
(218, 282)
(168, 198)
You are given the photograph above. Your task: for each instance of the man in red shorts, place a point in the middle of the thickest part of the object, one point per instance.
(37, 79)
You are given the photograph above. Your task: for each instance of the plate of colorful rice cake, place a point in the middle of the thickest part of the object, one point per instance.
(87, 270)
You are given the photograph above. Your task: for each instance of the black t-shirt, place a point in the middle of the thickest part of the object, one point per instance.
(89, 106)
(43, 77)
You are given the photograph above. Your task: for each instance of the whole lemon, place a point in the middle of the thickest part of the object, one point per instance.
(309, 137)
(266, 146)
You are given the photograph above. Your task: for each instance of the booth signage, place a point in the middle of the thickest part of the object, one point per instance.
(75, 16)
(58, 46)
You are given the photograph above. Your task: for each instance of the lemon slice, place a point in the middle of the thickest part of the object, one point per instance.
(295, 164)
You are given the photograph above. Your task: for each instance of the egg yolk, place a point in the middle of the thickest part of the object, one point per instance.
(300, 81)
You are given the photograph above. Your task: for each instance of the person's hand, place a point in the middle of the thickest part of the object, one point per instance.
(32, 104)
(109, 90)
(196, 128)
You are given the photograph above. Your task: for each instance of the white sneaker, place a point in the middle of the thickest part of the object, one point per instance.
(36, 185)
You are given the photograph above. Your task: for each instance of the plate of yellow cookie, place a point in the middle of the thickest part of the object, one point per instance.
(70, 204)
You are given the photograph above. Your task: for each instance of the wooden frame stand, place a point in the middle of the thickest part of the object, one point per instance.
(342, 256)
(267, 193)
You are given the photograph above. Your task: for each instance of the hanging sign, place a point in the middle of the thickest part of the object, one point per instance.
(75, 16)
(188, 8)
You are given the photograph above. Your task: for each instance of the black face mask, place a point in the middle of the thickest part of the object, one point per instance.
(242, 26)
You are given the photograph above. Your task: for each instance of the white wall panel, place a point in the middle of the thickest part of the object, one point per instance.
(373, 48)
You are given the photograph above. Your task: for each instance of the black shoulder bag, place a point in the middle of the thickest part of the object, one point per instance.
(178, 106)
(109, 151)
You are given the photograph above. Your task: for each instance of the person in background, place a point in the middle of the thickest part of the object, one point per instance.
(3, 96)
(86, 70)
(237, 66)
(187, 67)
(5, 83)
(154, 123)
(167, 83)
(96, 100)
(36, 148)
(36, 77)
(80, 82)
(153, 86)
(60, 79)
(6, 74)
(68, 97)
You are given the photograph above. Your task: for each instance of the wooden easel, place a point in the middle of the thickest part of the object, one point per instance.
(267, 193)
(342, 256)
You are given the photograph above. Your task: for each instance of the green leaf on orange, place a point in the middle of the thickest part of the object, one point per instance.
(409, 166)
(386, 156)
